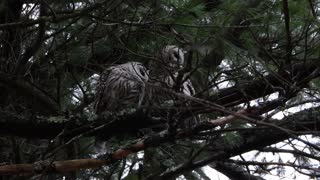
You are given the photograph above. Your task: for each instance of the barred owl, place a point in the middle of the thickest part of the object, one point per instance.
(164, 72)
(121, 86)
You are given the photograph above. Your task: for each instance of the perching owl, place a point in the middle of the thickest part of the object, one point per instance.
(121, 86)
(164, 72)
(167, 63)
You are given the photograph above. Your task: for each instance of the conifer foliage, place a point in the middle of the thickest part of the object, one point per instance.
(253, 68)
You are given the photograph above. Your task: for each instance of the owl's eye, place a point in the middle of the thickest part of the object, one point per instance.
(176, 55)
(142, 72)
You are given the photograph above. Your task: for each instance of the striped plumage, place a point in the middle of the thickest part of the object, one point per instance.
(164, 72)
(169, 61)
(121, 86)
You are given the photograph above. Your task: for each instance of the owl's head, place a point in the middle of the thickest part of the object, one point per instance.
(173, 56)
(139, 70)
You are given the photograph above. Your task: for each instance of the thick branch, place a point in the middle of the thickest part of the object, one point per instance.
(302, 73)
(46, 128)
(301, 121)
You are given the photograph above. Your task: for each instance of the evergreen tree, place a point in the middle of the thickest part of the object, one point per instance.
(254, 67)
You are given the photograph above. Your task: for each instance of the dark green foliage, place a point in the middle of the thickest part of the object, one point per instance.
(238, 54)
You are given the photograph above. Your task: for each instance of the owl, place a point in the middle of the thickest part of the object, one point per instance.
(120, 87)
(126, 85)
(164, 72)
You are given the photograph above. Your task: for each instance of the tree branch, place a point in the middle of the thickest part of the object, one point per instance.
(30, 51)
(53, 19)
(220, 151)
(251, 141)
(301, 72)
(23, 88)
(233, 171)
(288, 33)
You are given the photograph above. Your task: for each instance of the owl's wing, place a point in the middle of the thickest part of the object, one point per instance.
(101, 102)
(188, 88)
(112, 90)
(115, 90)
